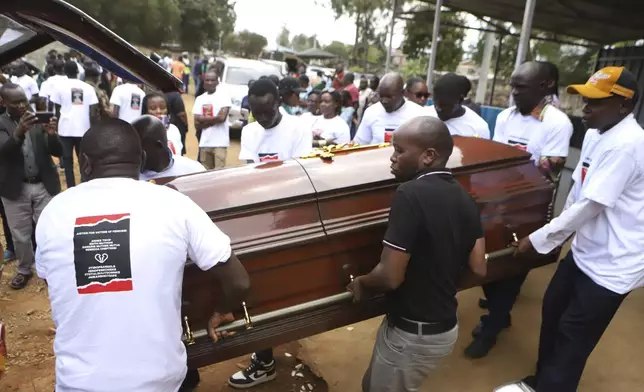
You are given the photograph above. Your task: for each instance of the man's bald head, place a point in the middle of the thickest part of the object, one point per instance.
(392, 80)
(154, 141)
(530, 85)
(111, 148)
(391, 90)
(533, 70)
(429, 132)
(420, 143)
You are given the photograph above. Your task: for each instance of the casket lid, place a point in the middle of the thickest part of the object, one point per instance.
(306, 178)
(357, 168)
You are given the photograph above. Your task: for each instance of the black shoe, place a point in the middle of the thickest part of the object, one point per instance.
(480, 347)
(191, 382)
(478, 330)
(256, 373)
(482, 303)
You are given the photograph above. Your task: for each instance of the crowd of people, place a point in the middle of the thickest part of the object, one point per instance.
(135, 136)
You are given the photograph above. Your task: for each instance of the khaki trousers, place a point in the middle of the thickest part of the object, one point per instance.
(213, 157)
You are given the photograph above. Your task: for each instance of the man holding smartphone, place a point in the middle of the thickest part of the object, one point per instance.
(28, 177)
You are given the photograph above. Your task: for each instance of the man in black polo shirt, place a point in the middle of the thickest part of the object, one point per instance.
(434, 233)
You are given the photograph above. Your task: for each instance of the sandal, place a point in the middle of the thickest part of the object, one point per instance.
(20, 281)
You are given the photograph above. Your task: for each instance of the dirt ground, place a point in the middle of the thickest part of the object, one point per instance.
(336, 360)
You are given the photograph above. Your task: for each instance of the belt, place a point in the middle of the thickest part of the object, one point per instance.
(416, 327)
(32, 179)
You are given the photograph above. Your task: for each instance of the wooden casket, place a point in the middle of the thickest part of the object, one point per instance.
(303, 228)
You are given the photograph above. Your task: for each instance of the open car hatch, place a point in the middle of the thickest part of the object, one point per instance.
(28, 25)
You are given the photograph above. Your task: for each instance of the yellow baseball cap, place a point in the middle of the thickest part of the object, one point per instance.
(607, 82)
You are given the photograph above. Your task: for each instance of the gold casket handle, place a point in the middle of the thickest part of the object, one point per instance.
(503, 252)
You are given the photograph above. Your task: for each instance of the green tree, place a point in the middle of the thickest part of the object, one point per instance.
(192, 23)
(284, 39)
(142, 22)
(339, 49)
(366, 14)
(574, 62)
(415, 68)
(303, 42)
(204, 21)
(418, 38)
(245, 44)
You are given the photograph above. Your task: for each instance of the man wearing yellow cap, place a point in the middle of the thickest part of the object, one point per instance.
(605, 209)
(536, 126)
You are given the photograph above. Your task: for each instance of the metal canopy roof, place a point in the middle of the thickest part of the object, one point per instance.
(315, 53)
(600, 21)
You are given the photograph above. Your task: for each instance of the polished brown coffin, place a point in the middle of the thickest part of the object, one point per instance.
(303, 227)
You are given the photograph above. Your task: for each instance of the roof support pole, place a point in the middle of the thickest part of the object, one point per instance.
(434, 50)
(524, 39)
(526, 31)
(391, 34)
(485, 67)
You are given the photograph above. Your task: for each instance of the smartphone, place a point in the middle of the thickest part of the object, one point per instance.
(44, 117)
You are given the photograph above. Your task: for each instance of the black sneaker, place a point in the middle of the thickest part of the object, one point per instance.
(480, 347)
(256, 373)
(478, 330)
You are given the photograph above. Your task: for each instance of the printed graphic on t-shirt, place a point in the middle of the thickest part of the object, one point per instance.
(317, 132)
(207, 110)
(388, 134)
(77, 96)
(267, 157)
(523, 146)
(584, 170)
(135, 102)
(102, 254)
(171, 147)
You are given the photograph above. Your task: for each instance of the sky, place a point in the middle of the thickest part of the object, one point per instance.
(309, 17)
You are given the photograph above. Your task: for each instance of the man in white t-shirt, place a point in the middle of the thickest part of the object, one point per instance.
(544, 131)
(605, 211)
(127, 101)
(20, 77)
(50, 84)
(159, 160)
(448, 106)
(210, 113)
(381, 119)
(274, 136)
(112, 251)
(77, 109)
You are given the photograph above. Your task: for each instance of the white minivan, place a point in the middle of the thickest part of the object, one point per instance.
(235, 73)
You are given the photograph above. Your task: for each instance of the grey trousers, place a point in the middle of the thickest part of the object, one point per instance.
(21, 213)
(401, 361)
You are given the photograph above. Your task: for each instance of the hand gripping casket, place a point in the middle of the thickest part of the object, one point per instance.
(303, 228)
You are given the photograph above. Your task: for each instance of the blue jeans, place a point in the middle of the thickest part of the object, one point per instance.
(186, 82)
(69, 145)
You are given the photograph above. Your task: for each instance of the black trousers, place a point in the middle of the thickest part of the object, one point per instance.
(69, 145)
(266, 355)
(501, 296)
(576, 312)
